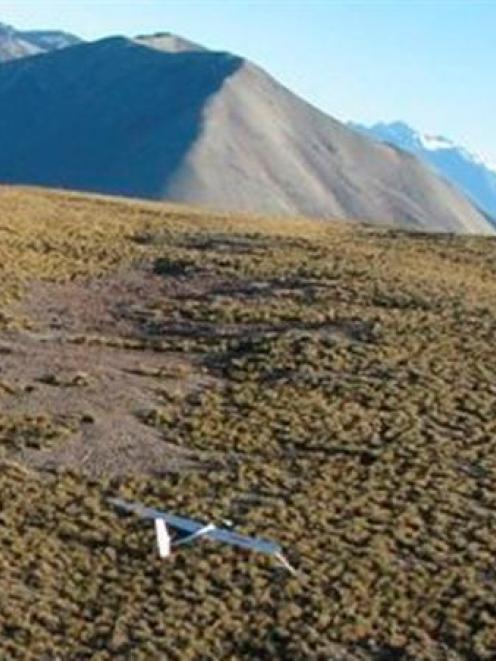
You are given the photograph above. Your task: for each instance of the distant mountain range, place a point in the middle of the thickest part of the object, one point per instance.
(15, 44)
(469, 172)
(160, 117)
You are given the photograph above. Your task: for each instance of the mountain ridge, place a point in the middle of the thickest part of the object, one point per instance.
(169, 121)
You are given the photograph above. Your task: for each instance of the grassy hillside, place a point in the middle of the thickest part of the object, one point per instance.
(329, 387)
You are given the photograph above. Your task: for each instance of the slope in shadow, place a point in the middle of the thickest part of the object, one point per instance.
(111, 116)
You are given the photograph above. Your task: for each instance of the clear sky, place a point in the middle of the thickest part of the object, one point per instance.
(431, 63)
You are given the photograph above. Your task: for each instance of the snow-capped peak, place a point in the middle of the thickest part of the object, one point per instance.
(404, 136)
(474, 174)
(439, 142)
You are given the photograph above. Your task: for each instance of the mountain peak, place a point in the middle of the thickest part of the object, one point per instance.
(168, 42)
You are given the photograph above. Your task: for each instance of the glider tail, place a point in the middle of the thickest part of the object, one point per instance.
(284, 562)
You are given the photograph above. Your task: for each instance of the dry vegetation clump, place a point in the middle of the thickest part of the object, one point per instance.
(345, 405)
(20, 432)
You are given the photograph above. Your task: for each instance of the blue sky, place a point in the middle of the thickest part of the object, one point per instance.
(429, 62)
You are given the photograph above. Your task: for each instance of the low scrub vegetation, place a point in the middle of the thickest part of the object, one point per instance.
(347, 410)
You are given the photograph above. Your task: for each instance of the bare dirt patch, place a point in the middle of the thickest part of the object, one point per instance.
(101, 389)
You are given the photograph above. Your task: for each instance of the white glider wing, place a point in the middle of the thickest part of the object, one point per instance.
(250, 543)
(178, 522)
(197, 529)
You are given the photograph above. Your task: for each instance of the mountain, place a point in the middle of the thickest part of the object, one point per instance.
(469, 172)
(48, 40)
(16, 44)
(12, 46)
(161, 118)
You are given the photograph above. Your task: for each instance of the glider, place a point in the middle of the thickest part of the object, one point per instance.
(189, 530)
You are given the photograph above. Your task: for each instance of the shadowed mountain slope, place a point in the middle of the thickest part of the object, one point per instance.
(113, 117)
(159, 118)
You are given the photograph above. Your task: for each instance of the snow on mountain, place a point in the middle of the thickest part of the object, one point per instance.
(470, 172)
(433, 142)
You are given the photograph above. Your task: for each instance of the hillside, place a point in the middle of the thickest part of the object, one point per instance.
(161, 118)
(325, 386)
(16, 44)
(473, 175)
